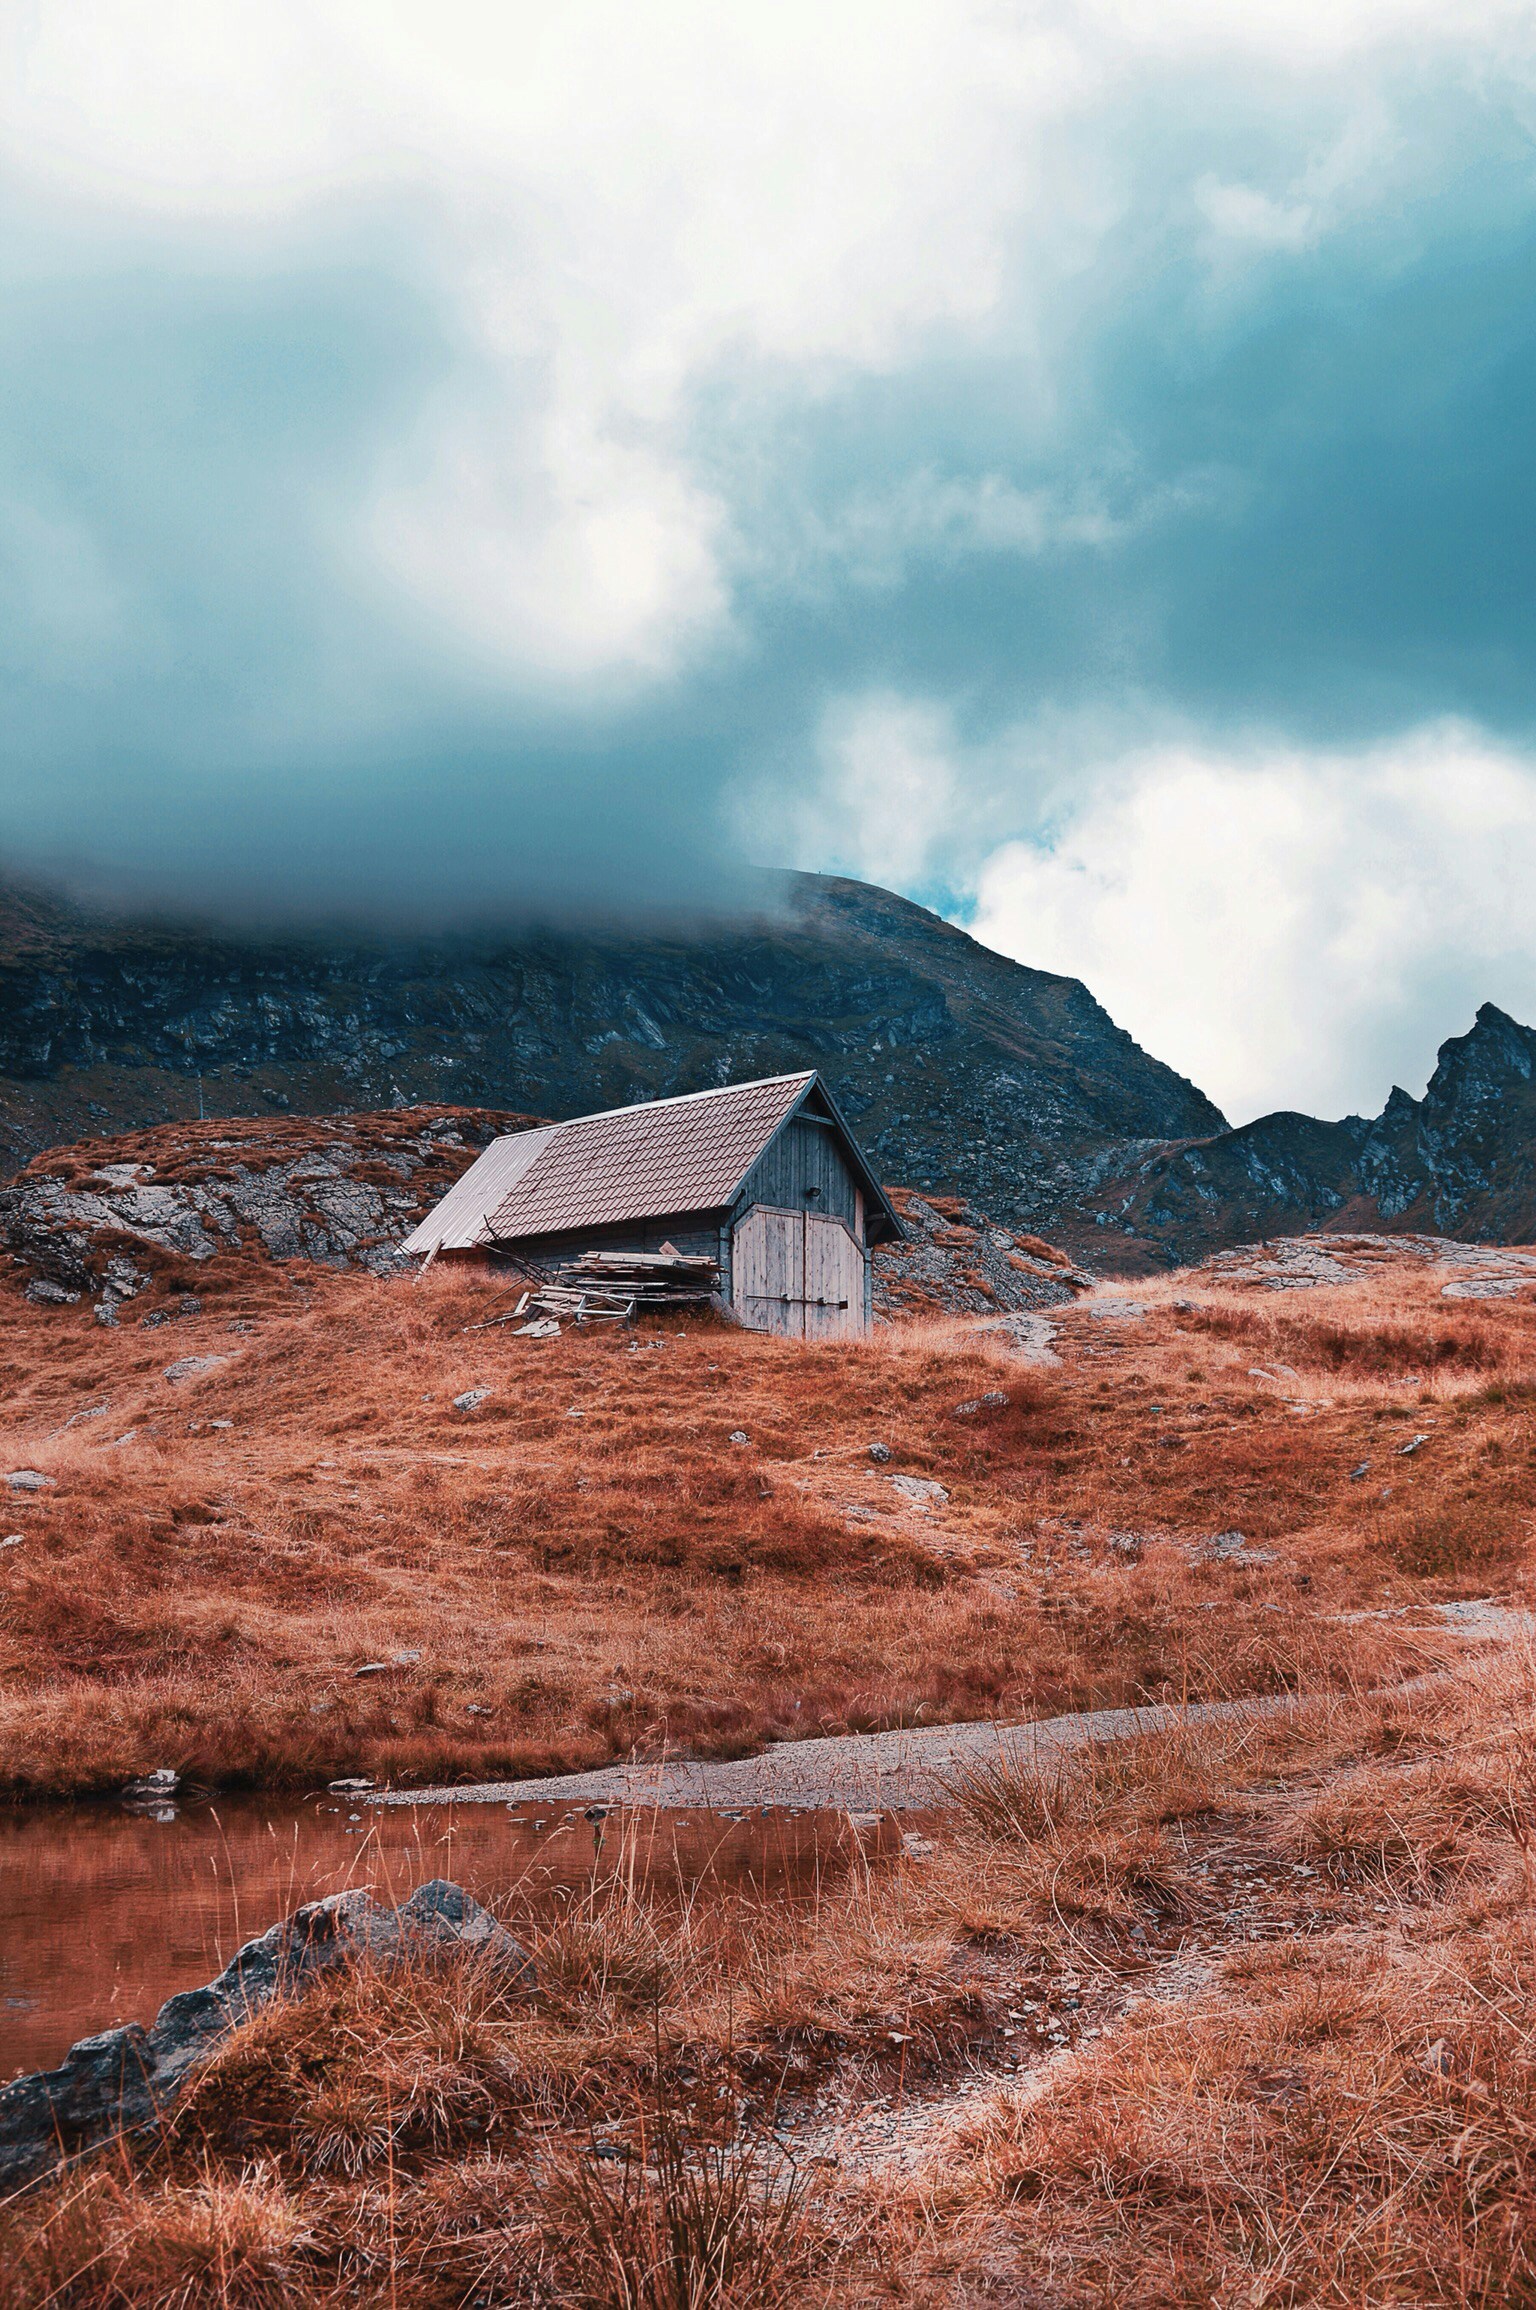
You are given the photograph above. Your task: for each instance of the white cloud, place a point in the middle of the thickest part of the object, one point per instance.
(575, 554)
(1244, 214)
(1288, 929)
(624, 198)
(885, 800)
(627, 198)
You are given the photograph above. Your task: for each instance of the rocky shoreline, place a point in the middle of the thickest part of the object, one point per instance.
(126, 2080)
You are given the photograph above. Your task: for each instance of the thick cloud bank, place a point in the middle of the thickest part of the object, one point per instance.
(1288, 921)
(467, 456)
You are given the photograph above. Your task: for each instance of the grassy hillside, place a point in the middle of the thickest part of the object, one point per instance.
(1234, 2013)
(584, 1563)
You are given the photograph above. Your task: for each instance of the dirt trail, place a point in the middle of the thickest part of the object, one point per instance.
(904, 2132)
(870, 1772)
(860, 1771)
(1239, 1891)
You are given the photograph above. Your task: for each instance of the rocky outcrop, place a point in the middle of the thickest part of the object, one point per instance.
(136, 1218)
(126, 2080)
(1329, 1262)
(112, 1217)
(959, 1069)
(954, 1261)
(1460, 1162)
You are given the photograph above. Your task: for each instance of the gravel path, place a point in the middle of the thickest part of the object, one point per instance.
(862, 1772)
(875, 1772)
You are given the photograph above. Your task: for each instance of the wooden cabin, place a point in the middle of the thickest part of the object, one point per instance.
(764, 1178)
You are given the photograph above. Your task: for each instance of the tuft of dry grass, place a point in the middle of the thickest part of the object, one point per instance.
(234, 2240)
(1478, 1538)
(682, 2226)
(1028, 1795)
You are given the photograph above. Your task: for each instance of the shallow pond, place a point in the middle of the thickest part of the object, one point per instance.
(105, 1911)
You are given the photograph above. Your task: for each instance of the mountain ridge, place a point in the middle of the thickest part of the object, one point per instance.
(961, 1070)
(1461, 1161)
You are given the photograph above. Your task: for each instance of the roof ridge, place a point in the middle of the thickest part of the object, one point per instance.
(686, 1098)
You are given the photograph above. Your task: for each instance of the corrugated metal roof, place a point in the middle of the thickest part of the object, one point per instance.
(458, 1222)
(671, 1155)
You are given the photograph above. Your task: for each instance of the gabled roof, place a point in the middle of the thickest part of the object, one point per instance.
(648, 1162)
(458, 1222)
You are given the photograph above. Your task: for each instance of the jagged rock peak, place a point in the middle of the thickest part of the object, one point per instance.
(1460, 1162)
(1494, 1049)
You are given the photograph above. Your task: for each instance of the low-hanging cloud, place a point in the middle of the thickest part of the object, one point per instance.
(460, 457)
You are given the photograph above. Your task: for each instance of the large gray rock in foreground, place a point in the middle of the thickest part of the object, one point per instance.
(124, 2080)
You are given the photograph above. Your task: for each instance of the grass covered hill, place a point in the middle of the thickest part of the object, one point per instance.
(1235, 2012)
(225, 1506)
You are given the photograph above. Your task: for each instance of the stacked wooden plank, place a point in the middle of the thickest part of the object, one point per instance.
(613, 1286)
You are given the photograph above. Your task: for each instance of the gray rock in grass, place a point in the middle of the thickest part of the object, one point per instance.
(164, 1781)
(123, 2081)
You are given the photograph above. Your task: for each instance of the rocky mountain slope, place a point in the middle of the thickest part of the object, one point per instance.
(143, 1216)
(1461, 1161)
(959, 1069)
(962, 1072)
(955, 1261)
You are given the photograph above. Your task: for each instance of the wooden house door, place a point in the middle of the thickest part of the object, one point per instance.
(834, 1280)
(798, 1273)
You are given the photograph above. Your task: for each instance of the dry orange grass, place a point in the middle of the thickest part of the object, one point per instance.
(1338, 2110)
(1334, 2127)
(588, 1567)
(1342, 2112)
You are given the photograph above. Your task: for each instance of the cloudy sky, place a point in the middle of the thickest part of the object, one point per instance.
(1073, 462)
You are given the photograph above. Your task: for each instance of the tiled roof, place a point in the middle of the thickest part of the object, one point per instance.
(671, 1155)
(458, 1222)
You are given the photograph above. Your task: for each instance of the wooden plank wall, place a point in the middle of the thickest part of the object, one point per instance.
(689, 1231)
(804, 1154)
(834, 1275)
(768, 1278)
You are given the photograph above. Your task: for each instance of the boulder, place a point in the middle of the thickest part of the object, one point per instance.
(163, 1782)
(125, 2080)
(189, 1367)
(921, 1491)
(42, 1293)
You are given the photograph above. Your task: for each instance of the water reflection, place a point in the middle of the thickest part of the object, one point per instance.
(106, 1911)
